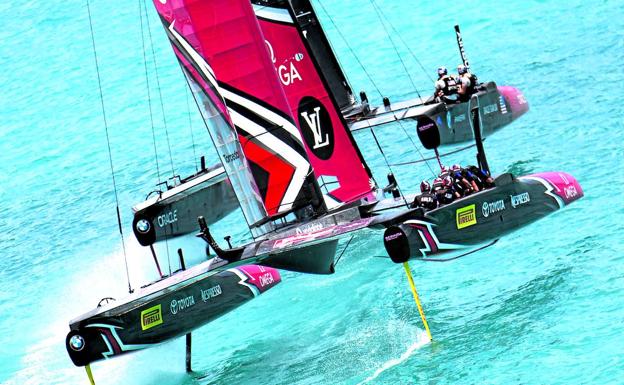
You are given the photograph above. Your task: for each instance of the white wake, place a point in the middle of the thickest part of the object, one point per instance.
(421, 341)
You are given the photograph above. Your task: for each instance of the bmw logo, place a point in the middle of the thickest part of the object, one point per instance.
(77, 343)
(143, 226)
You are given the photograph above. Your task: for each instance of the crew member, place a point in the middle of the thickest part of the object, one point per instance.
(467, 83)
(446, 87)
(444, 192)
(464, 180)
(426, 199)
(444, 172)
(437, 185)
(483, 178)
(448, 183)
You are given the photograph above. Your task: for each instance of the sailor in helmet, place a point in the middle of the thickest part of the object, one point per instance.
(446, 87)
(427, 200)
(444, 171)
(467, 83)
(443, 189)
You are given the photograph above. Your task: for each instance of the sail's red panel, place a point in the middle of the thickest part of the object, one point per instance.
(329, 144)
(226, 31)
(225, 34)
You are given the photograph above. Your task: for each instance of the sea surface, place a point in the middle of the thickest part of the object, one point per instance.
(543, 306)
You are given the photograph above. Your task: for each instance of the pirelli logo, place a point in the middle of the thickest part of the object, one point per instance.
(466, 216)
(151, 317)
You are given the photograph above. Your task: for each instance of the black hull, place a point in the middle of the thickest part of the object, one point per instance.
(440, 124)
(312, 259)
(444, 124)
(169, 308)
(175, 212)
(479, 220)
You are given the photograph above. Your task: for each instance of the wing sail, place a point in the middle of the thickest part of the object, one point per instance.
(211, 104)
(225, 34)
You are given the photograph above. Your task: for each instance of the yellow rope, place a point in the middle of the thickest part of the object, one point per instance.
(89, 374)
(415, 293)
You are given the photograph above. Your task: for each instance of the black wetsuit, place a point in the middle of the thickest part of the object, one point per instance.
(427, 201)
(445, 195)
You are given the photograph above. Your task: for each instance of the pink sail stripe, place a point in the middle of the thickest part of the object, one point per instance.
(225, 32)
(225, 35)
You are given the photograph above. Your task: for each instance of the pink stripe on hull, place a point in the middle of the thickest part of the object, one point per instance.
(111, 340)
(516, 100)
(424, 230)
(263, 278)
(564, 185)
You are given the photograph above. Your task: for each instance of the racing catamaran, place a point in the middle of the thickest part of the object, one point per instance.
(294, 224)
(300, 181)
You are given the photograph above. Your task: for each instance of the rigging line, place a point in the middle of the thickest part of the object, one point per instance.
(434, 157)
(388, 164)
(331, 46)
(396, 51)
(351, 49)
(162, 104)
(406, 45)
(149, 96)
(417, 149)
(188, 108)
(167, 248)
(343, 251)
(110, 154)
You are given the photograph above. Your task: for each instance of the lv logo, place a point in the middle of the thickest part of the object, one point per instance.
(314, 123)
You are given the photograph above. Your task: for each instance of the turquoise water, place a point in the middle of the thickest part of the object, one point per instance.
(544, 305)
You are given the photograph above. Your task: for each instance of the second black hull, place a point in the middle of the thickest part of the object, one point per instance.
(480, 219)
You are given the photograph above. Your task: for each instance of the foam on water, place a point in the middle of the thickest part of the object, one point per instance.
(422, 340)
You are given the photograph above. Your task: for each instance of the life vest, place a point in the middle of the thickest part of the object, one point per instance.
(450, 85)
(445, 196)
(426, 200)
